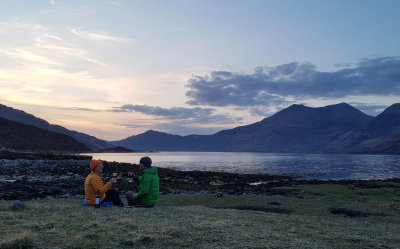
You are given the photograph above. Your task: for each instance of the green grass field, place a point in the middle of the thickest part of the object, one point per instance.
(207, 221)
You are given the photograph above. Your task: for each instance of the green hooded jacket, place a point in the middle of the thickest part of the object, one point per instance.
(149, 185)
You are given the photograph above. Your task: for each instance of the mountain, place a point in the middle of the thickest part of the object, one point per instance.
(383, 133)
(387, 122)
(338, 128)
(91, 142)
(295, 129)
(18, 136)
(153, 139)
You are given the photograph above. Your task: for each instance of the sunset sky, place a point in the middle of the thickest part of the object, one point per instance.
(113, 69)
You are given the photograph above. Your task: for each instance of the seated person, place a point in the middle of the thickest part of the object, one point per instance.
(93, 184)
(148, 185)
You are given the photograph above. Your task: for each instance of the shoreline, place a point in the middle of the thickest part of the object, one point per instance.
(25, 179)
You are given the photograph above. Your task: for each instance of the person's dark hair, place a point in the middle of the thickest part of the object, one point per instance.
(146, 161)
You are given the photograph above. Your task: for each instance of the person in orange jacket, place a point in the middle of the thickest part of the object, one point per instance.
(94, 184)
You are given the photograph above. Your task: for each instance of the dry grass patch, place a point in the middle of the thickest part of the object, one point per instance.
(206, 221)
(22, 240)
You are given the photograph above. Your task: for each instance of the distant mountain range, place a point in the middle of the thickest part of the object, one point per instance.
(338, 128)
(91, 143)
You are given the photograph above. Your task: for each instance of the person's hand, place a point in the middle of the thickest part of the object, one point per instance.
(134, 195)
(113, 180)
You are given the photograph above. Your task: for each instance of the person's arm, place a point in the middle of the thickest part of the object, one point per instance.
(134, 177)
(137, 179)
(97, 184)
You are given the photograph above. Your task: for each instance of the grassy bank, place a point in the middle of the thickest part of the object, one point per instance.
(322, 216)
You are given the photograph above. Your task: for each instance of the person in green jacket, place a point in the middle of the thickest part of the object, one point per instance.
(148, 185)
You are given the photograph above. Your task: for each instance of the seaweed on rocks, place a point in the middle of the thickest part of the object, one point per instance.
(10, 154)
(22, 179)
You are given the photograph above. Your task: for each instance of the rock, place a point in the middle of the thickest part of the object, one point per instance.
(298, 196)
(274, 203)
(219, 194)
(41, 178)
(18, 206)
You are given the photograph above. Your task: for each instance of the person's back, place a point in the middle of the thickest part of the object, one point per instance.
(94, 179)
(94, 185)
(149, 186)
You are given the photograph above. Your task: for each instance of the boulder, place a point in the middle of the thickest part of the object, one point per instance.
(18, 206)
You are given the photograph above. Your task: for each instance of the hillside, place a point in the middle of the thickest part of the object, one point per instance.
(382, 134)
(22, 117)
(19, 136)
(296, 129)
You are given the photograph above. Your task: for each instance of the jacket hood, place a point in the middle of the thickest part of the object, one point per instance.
(152, 171)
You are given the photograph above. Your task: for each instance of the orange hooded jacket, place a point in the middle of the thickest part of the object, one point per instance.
(93, 183)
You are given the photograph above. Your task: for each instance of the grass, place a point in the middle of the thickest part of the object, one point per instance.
(206, 221)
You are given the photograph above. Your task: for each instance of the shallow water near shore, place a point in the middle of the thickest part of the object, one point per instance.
(303, 166)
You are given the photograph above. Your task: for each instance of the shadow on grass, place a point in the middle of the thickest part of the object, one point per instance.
(262, 209)
(353, 213)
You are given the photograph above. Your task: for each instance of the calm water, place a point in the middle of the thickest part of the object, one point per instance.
(306, 166)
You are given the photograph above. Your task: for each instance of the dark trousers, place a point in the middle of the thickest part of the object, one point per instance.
(112, 195)
(136, 202)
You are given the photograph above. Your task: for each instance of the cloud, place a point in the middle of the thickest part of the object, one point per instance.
(79, 109)
(193, 115)
(52, 36)
(17, 25)
(30, 42)
(299, 81)
(173, 113)
(265, 111)
(176, 128)
(97, 36)
(28, 56)
(56, 45)
(36, 84)
(372, 110)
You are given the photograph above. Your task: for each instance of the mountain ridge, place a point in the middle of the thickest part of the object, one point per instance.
(339, 128)
(18, 136)
(20, 116)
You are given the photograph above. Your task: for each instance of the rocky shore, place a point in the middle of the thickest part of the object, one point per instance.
(23, 179)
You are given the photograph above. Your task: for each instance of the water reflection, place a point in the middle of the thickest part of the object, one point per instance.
(305, 166)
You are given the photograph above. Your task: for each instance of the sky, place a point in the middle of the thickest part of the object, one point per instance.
(113, 68)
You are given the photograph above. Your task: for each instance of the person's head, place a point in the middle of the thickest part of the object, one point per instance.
(145, 163)
(96, 166)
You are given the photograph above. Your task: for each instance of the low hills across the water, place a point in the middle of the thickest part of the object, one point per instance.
(339, 128)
